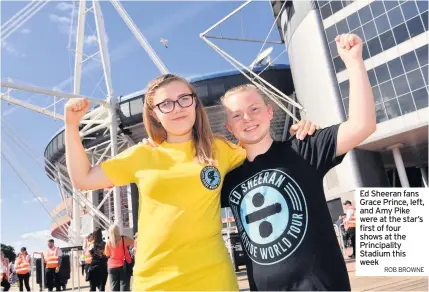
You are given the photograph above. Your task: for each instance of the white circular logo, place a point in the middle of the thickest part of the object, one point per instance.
(264, 214)
(271, 215)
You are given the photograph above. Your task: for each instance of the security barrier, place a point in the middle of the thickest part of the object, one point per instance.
(74, 253)
(75, 264)
(34, 269)
(340, 238)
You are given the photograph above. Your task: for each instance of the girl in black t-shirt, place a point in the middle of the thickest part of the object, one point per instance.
(277, 195)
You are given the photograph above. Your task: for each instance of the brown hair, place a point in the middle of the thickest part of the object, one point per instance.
(202, 135)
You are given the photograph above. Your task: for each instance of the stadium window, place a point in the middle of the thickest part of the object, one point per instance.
(136, 106)
(202, 90)
(217, 89)
(125, 109)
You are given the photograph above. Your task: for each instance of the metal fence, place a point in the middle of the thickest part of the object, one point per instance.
(340, 238)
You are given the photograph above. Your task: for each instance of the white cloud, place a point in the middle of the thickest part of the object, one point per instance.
(63, 23)
(64, 6)
(42, 234)
(36, 241)
(9, 48)
(34, 200)
(25, 31)
(59, 19)
(90, 40)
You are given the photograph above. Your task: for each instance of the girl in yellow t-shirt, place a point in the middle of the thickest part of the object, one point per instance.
(181, 247)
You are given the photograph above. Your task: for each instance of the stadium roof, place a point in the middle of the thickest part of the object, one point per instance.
(213, 75)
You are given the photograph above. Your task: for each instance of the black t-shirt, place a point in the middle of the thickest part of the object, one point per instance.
(282, 216)
(97, 253)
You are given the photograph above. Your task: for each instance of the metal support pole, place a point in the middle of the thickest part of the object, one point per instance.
(225, 18)
(394, 178)
(288, 119)
(50, 92)
(139, 36)
(78, 270)
(104, 54)
(80, 35)
(6, 97)
(243, 40)
(400, 165)
(75, 219)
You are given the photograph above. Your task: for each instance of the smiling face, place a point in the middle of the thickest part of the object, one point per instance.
(174, 107)
(248, 116)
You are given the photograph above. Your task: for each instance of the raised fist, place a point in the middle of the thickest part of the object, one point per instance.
(75, 109)
(349, 47)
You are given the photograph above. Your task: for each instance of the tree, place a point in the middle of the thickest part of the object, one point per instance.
(9, 252)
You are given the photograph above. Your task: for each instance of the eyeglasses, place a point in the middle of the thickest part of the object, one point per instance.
(167, 106)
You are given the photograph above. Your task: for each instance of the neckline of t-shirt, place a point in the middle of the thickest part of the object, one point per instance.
(260, 156)
(185, 144)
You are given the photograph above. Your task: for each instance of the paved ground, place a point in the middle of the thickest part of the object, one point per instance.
(357, 283)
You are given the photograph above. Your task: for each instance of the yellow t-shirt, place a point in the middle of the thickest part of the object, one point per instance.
(180, 246)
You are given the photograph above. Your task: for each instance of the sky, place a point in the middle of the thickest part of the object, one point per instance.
(40, 53)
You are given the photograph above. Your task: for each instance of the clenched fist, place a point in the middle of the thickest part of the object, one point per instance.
(75, 109)
(349, 47)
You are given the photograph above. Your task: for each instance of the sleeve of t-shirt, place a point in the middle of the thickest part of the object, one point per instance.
(60, 252)
(121, 169)
(320, 150)
(231, 154)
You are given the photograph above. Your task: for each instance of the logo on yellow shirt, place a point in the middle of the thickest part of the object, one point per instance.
(210, 177)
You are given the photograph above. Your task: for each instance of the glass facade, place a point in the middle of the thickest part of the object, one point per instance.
(400, 86)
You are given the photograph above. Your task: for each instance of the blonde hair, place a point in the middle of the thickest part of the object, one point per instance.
(244, 88)
(114, 235)
(202, 135)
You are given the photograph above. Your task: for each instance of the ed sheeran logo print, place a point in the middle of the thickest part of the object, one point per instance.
(273, 217)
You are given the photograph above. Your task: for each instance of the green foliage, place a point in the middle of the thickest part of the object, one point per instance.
(9, 252)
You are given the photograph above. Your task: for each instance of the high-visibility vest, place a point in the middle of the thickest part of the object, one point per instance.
(88, 257)
(51, 258)
(352, 222)
(23, 265)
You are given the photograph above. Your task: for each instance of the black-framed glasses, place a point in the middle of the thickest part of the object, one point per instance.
(167, 106)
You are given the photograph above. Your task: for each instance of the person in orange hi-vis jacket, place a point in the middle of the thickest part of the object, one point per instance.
(22, 266)
(53, 263)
